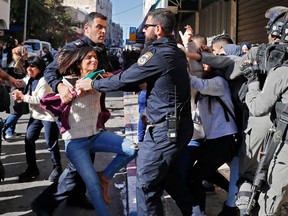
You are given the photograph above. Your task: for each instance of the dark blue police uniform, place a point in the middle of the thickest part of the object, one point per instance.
(164, 68)
(70, 184)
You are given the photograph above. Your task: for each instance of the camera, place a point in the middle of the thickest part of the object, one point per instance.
(172, 124)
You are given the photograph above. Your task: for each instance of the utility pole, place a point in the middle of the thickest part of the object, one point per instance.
(25, 21)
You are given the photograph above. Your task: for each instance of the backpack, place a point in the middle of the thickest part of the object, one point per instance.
(270, 56)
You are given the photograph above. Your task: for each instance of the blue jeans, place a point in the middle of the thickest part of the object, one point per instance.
(234, 176)
(142, 105)
(78, 152)
(10, 124)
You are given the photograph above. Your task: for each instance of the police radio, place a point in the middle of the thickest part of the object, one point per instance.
(172, 123)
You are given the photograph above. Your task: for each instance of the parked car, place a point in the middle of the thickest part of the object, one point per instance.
(30, 50)
(38, 45)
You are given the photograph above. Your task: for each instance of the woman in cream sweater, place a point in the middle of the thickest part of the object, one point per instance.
(84, 137)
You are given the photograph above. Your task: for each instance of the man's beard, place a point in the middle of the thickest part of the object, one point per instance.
(150, 40)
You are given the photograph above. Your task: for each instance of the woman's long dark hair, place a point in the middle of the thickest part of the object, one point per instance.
(69, 59)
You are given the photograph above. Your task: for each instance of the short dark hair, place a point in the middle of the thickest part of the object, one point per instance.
(200, 37)
(222, 37)
(91, 16)
(37, 61)
(165, 18)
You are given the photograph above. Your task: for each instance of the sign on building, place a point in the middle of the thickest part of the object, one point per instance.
(132, 34)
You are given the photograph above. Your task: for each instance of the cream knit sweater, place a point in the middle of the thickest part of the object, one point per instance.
(83, 116)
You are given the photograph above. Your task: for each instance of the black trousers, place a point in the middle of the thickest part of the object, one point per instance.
(213, 154)
(156, 171)
(70, 185)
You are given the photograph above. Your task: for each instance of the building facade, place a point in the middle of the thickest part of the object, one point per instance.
(4, 14)
(114, 31)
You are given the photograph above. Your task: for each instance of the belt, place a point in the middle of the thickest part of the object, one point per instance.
(161, 124)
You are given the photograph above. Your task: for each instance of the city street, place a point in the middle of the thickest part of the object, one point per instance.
(15, 197)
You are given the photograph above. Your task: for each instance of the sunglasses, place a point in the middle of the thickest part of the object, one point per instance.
(148, 25)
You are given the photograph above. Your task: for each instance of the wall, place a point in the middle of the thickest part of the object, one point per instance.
(216, 19)
(251, 19)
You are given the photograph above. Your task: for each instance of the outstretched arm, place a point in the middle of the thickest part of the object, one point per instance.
(10, 79)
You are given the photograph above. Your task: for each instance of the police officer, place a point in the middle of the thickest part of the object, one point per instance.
(260, 102)
(164, 68)
(70, 184)
(257, 128)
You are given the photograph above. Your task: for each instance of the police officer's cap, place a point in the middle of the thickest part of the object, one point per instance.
(276, 20)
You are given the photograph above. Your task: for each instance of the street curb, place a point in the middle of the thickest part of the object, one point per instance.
(131, 120)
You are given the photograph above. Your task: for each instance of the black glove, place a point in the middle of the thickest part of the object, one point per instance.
(250, 71)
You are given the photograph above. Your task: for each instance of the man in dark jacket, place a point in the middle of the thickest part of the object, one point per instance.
(164, 68)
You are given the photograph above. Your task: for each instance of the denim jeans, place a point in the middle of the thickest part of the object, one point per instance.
(51, 131)
(10, 124)
(141, 127)
(234, 176)
(78, 152)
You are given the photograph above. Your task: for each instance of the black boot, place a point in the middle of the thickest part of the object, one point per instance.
(55, 174)
(30, 174)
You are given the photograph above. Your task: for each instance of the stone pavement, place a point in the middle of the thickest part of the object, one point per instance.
(15, 197)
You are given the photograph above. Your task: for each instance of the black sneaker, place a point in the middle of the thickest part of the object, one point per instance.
(29, 175)
(55, 174)
(229, 211)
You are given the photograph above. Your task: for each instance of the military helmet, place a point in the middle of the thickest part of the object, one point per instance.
(276, 20)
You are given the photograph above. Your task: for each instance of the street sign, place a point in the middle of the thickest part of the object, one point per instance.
(132, 35)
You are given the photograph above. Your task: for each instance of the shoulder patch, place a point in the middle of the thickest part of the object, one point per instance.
(78, 43)
(144, 58)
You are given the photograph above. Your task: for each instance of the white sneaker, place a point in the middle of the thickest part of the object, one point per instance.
(11, 137)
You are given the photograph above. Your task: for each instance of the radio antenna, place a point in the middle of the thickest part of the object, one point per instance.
(175, 100)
